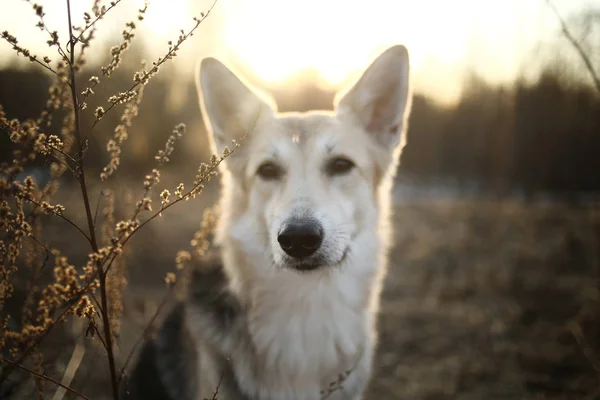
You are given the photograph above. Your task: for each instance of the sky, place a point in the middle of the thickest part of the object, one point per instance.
(275, 39)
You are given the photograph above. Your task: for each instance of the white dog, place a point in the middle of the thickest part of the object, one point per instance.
(288, 312)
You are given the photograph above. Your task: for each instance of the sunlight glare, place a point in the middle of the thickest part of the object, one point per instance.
(166, 17)
(276, 40)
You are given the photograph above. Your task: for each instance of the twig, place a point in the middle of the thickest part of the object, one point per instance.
(6, 129)
(97, 206)
(73, 224)
(74, 41)
(186, 196)
(45, 27)
(575, 43)
(46, 249)
(31, 58)
(160, 61)
(44, 377)
(216, 393)
(90, 219)
(95, 300)
(70, 303)
(74, 161)
(143, 335)
(123, 240)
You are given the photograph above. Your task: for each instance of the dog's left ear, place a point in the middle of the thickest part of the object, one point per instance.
(378, 101)
(230, 107)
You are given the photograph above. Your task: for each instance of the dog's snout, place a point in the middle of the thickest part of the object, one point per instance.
(301, 239)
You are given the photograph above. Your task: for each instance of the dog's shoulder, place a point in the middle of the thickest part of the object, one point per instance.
(167, 364)
(207, 276)
(214, 307)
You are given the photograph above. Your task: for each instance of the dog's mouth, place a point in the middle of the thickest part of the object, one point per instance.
(319, 263)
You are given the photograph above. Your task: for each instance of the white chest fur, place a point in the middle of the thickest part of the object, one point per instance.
(307, 329)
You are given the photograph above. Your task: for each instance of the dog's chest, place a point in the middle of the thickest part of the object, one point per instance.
(308, 333)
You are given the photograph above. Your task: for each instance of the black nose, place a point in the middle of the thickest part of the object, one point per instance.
(301, 239)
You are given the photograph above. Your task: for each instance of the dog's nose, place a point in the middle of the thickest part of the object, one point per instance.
(301, 240)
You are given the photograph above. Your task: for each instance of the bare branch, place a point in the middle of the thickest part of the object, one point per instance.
(144, 334)
(26, 53)
(88, 211)
(216, 393)
(576, 45)
(143, 78)
(44, 377)
(103, 12)
(73, 224)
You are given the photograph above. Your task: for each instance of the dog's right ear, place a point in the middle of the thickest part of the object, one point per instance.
(230, 108)
(380, 100)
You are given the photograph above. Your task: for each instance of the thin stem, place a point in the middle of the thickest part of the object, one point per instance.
(49, 68)
(586, 59)
(39, 243)
(46, 377)
(95, 326)
(142, 336)
(50, 35)
(67, 156)
(88, 211)
(216, 393)
(95, 300)
(71, 303)
(34, 59)
(73, 41)
(161, 61)
(191, 193)
(97, 206)
(73, 224)
(186, 196)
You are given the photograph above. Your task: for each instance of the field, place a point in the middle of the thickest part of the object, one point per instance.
(491, 300)
(485, 299)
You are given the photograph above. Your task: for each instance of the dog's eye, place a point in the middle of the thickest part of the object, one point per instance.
(269, 171)
(339, 166)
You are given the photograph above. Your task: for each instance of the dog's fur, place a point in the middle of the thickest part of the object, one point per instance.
(266, 324)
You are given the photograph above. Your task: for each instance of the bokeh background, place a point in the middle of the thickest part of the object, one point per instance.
(493, 289)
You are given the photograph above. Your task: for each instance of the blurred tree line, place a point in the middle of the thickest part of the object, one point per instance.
(536, 136)
(540, 136)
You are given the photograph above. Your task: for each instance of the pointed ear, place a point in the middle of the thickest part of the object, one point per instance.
(230, 108)
(378, 101)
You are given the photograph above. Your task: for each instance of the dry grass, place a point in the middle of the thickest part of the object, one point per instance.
(491, 300)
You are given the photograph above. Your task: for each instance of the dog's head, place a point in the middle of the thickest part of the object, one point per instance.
(305, 186)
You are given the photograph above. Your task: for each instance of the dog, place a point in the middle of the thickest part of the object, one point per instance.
(287, 309)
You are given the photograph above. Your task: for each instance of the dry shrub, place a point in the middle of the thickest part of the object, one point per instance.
(90, 292)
